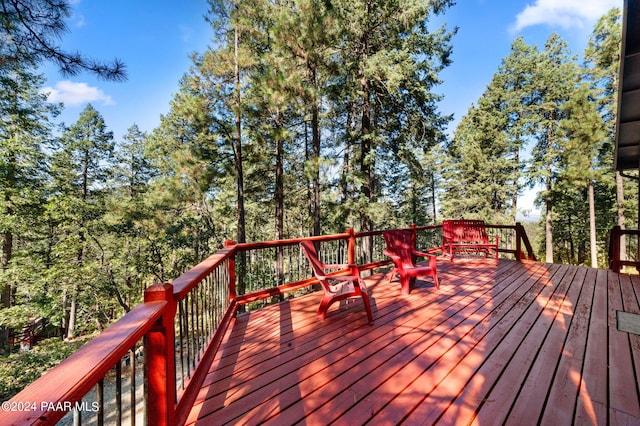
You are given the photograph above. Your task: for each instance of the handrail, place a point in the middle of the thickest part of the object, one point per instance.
(187, 281)
(520, 239)
(68, 382)
(181, 312)
(615, 248)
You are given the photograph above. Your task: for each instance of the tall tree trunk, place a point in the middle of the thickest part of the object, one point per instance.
(5, 258)
(7, 292)
(347, 167)
(592, 226)
(6, 297)
(365, 151)
(279, 200)
(315, 142)
(73, 307)
(621, 216)
(238, 145)
(433, 196)
(366, 169)
(241, 228)
(548, 224)
(516, 184)
(73, 313)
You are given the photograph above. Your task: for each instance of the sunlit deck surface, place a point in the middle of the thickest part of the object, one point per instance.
(500, 342)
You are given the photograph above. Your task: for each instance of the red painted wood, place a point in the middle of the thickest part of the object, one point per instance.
(563, 394)
(508, 305)
(623, 386)
(401, 248)
(337, 287)
(492, 385)
(464, 354)
(631, 298)
(408, 366)
(591, 407)
(160, 359)
(335, 354)
(187, 399)
(466, 236)
(531, 398)
(187, 281)
(75, 376)
(387, 359)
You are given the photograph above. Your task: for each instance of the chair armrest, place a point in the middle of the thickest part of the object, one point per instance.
(431, 257)
(391, 254)
(342, 277)
(341, 266)
(353, 269)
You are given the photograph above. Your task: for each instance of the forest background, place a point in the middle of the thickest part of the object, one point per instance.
(304, 118)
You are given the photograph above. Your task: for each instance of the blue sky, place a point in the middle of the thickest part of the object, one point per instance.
(154, 38)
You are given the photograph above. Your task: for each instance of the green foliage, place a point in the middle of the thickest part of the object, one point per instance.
(483, 169)
(30, 30)
(542, 100)
(304, 117)
(20, 369)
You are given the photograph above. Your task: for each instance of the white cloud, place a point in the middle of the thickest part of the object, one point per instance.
(186, 32)
(565, 13)
(70, 93)
(80, 21)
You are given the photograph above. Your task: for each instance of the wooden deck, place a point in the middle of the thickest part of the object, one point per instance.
(500, 342)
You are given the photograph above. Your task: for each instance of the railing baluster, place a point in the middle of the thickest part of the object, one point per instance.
(77, 417)
(118, 395)
(100, 397)
(132, 385)
(181, 330)
(192, 340)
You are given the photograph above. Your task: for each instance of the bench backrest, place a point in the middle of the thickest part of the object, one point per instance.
(465, 231)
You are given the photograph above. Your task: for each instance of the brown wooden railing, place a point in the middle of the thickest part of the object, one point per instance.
(618, 240)
(181, 326)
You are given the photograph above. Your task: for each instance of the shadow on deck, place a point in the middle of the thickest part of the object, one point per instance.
(501, 341)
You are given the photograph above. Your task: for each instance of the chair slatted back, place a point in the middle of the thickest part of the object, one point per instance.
(399, 242)
(311, 254)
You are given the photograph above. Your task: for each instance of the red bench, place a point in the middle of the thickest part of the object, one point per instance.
(467, 236)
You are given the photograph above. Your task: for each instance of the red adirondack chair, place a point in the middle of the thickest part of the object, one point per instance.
(400, 248)
(344, 286)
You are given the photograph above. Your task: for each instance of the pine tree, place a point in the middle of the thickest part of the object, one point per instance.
(555, 78)
(601, 65)
(81, 171)
(30, 30)
(25, 135)
(389, 63)
(484, 169)
(578, 165)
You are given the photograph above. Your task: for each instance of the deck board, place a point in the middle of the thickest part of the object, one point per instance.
(500, 342)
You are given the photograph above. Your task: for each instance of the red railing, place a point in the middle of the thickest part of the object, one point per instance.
(182, 324)
(619, 244)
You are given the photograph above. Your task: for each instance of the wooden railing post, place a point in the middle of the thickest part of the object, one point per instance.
(519, 253)
(159, 352)
(232, 272)
(522, 238)
(351, 246)
(614, 248)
